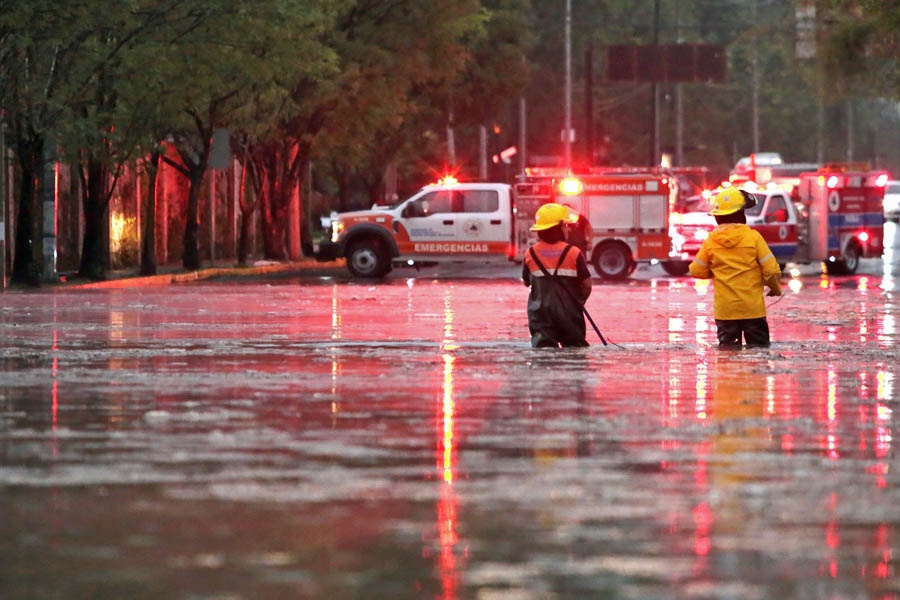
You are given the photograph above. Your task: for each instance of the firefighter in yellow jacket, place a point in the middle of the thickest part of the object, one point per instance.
(740, 263)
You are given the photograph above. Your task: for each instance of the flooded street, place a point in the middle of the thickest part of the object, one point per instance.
(322, 438)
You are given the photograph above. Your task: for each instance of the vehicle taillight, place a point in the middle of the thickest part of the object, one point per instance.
(570, 186)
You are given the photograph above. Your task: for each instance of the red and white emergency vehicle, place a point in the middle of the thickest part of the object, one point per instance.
(846, 216)
(447, 221)
(832, 214)
(628, 212)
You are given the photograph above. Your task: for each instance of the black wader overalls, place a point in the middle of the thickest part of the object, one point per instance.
(554, 307)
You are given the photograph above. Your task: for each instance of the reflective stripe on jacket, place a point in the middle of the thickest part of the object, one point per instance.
(740, 263)
(549, 255)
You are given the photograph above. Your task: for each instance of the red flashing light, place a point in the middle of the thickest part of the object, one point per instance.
(665, 180)
(570, 186)
(832, 182)
(881, 180)
(863, 236)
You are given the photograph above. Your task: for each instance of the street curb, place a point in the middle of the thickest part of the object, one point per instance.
(170, 278)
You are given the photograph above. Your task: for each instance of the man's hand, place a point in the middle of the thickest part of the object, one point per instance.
(773, 292)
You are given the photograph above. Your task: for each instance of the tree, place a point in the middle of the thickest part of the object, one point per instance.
(383, 59)
(237, 60)
(862, 45)
(39, 63)
(84, 76)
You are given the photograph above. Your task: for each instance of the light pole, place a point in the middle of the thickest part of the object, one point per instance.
(567, 133)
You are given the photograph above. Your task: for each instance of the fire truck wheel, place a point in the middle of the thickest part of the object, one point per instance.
(367, 258)
(676, 268)
(613, 261)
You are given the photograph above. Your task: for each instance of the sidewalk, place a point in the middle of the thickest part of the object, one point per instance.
(169, 274)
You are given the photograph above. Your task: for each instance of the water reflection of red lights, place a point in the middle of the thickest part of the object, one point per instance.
(721, 439)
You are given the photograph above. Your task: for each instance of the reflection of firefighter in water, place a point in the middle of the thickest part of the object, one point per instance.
(736, 407)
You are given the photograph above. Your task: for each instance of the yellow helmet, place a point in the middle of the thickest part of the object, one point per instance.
(730, 201)
(551, 215)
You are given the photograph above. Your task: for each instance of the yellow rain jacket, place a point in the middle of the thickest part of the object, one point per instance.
(739, 262)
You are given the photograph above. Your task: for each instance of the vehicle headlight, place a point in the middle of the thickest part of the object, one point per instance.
(337, 227)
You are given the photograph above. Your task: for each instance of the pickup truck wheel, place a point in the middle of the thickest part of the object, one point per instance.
(676, 268)
(612, 261)
(367, 259)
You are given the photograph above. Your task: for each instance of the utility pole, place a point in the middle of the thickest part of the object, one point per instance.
(820, 119)
(567, 134)
(755, 64)
(850, 131)
(523, 135)
(451, 138)
(654, 96)
(523, 126)
(679, 101)
(589, 103)
(3, 216)
(482, 153)
(49, 197)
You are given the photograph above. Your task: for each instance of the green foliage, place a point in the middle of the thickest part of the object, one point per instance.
(862, 47)
(363, 86)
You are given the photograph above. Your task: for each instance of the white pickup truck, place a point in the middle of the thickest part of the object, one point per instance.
(442, 222)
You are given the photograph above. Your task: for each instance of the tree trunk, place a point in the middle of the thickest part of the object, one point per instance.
(274, 210)
(247, 208)
(94, 249)
(26, 266)
(342, 176)
(191, 258)
(148, 218)
(244, 239)
(273, 229)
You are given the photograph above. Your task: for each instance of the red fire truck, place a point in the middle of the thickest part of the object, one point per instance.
(628, 212)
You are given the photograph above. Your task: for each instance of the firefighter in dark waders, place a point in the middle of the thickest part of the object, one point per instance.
(560, 282)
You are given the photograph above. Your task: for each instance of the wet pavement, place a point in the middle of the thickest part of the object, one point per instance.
(316, 437)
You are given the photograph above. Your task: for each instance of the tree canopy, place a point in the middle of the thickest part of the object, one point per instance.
(365, 89)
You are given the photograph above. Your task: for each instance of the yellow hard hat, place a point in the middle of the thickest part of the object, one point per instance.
(551, 215)
(730, 201)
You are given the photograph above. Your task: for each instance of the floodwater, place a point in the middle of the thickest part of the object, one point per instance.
(320, 438)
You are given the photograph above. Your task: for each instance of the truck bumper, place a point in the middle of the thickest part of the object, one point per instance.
(327, 251)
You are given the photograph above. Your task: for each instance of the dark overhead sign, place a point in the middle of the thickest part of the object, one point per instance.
(698, 63)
